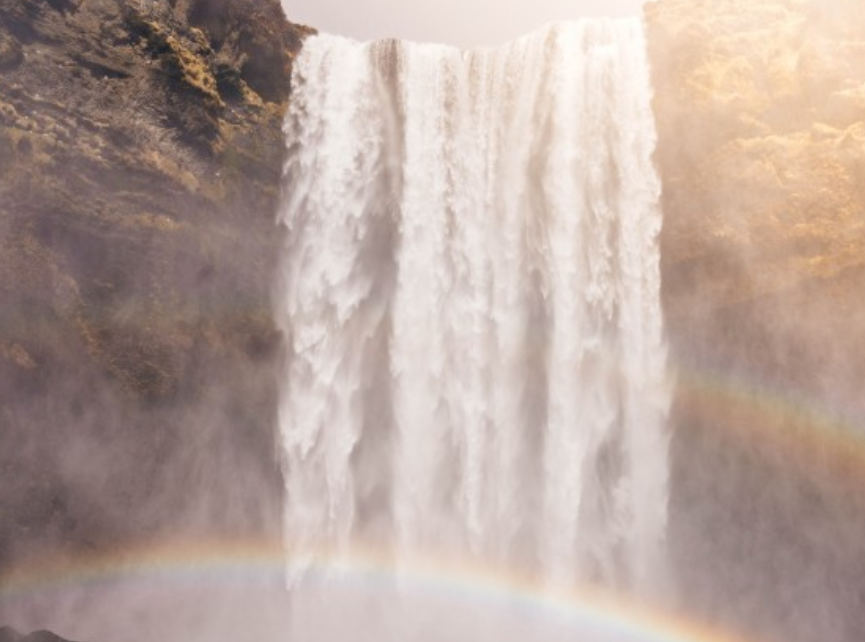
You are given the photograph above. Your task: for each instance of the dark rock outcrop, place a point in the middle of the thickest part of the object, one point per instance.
(8, 634)
(140, 156)
(761, 115)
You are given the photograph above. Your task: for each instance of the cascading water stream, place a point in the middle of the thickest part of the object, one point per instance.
(470, 296)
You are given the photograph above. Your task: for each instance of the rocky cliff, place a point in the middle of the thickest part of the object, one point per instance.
(140, 157)
(761, 115)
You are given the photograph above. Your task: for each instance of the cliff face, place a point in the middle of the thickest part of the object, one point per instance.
(761, 116)
(140, 157)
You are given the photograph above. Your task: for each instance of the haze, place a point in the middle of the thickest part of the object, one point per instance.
(464, 23)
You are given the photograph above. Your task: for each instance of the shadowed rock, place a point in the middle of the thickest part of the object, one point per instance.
(8, 634)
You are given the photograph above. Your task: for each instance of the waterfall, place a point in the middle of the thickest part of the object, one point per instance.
(469, 293)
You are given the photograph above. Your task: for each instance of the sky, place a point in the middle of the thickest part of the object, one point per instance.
(460, 22)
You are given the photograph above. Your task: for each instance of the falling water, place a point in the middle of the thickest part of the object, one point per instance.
(470, 296)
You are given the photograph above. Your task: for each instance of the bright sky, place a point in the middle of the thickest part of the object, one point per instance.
(460, 22)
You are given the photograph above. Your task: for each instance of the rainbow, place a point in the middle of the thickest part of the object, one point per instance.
(790, 426)
(249, 563)
(803, 432)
